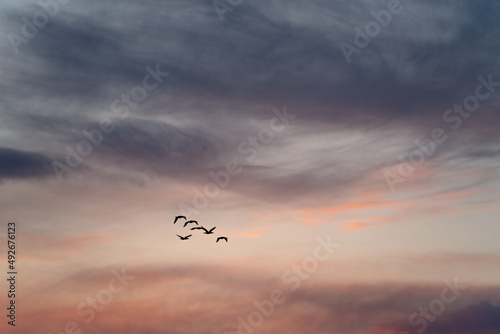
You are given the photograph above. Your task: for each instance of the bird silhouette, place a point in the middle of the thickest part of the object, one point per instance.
(178, 217)
(221, 238)
(184, 238)
(208, 231)
(190, 222)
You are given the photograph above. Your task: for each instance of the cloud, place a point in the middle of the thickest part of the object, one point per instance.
(253, 234)
(15, 164)
(185, 298)
(157, 147)
(481, 318)
(225, 77)
(357, 226)
(355, 121)
(56, 247)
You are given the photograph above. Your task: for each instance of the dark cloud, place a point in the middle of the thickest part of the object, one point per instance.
(478, 318)
(481, 318)
(16, 164)
(261, 54)
(228, 75)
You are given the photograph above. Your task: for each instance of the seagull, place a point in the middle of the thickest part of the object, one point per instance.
(178, 217)
(190, 222)
(221, 238)
(197, 228)
(184, 238)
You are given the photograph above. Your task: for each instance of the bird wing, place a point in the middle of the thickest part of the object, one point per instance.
(178, 236)
(178, 217)
(212, 229)
(204, 229)
(185, 224)
(188, 236)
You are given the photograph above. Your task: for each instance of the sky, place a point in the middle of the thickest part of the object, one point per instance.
(349, 151)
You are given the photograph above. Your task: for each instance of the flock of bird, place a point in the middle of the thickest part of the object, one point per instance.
(205, 231)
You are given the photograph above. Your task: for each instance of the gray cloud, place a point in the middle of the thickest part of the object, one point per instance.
(157, 147)
(266, 53)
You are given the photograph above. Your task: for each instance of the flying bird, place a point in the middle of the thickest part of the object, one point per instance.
(178, 217)
(204, 229)
(184, 238)
(209, 231)
(190, 222)
(221, 238)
